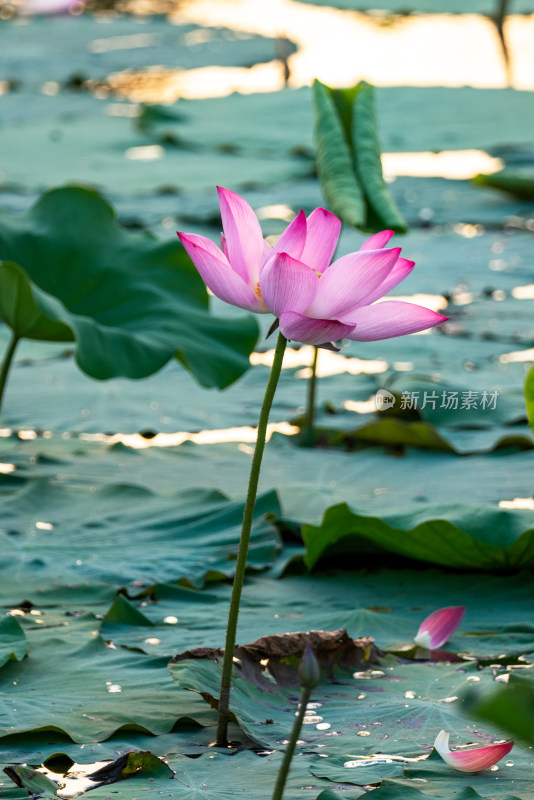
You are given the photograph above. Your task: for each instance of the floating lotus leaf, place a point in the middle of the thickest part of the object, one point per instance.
(128, 302)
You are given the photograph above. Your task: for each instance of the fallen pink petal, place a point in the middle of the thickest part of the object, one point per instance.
(437, 628)
(473, 760)
(316, 301)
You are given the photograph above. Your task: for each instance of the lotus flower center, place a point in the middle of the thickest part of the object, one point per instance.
(258, 291)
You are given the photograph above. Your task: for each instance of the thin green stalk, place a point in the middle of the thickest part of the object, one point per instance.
(499, 20)
(6, 364)
(309, 416)
(290, 749)
(241, 563)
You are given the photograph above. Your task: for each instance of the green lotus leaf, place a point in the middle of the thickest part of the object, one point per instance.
(529, 396)
(13, 642)
(83, 779)
(348, 158)
(511, 781)
(35, 782)
(64, 688)
(118, 532)
(382, 210)
(510, 707)
(456, 535)
(388, 605)
(519, 183)
(397, 709)
(128, 302)
(334, 163)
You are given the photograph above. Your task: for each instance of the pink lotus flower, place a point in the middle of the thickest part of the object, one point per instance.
(438, 627)
(316, 302)
(473, 760)
(35, 7)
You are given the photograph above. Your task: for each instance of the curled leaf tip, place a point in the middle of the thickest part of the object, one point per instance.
(437, 628)
(473, 760)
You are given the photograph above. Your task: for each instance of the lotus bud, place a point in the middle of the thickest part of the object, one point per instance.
(308, 671)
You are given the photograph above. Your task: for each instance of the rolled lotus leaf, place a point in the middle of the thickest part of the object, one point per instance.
(348, 158)
(339, 184)
(382, 212)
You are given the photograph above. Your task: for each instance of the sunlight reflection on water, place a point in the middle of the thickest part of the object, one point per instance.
(329, 363)
(343, 47)
(215, 436)
(525, 503)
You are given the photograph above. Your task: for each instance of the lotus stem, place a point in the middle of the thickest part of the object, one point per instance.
(499, 20)
(283, 772)
(241, 563)
(6, 364)
(309, 416)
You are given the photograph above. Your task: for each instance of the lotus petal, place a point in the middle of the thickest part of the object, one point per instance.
(400, 271)
(377, 241)
(389, 319)
(287, 284)
(224, 245)
(266, 253)
(31, 7)
(322, 233)
(293, 239)
(299, 328)
(244, 239)
(316, 302)
(218, 275)
(473, 760)
(350, 279)
(438, 627)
